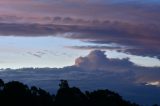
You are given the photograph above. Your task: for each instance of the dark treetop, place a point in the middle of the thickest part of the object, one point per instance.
(15, 93)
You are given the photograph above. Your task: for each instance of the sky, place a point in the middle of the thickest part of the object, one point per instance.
(47, 33)
(121, 37)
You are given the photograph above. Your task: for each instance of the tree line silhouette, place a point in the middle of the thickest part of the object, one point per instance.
(15, 93)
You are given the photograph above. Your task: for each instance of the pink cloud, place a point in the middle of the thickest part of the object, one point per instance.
(133, 24)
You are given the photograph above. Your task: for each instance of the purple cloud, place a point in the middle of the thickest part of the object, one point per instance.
(97, 60)
(134, 24)
(139, 39)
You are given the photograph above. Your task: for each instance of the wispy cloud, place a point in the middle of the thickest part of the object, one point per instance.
(38, 54)
(99, 47)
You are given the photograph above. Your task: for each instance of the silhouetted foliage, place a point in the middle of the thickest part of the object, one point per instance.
(17, 94)
(1, 84)
(155, 105)
(63, 84)
(70, 97)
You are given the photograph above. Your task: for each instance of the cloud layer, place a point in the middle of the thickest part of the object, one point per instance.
(138, 39)
(134, 24)
(96, 71)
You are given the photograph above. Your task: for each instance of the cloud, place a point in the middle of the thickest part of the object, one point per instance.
(96, 63)
(141, 40)
(133, 11)
(132, 84)
(95, 71)
(38, 54)
(99, 47)
(125, 10)
(96, 60)
(134, 24)
(156, 83)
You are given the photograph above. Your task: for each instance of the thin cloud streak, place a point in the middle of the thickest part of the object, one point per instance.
(128, 23)
(143, 40)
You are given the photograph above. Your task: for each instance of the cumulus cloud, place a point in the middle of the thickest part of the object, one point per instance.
(97, 60)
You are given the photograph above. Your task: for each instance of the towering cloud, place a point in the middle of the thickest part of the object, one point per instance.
(97, 60)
